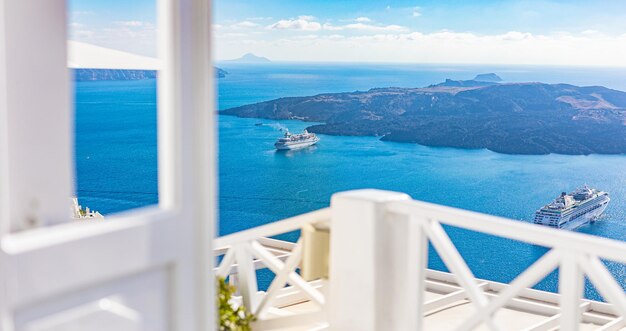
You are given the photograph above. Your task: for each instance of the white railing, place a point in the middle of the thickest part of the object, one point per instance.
(247, 251)
(379, 276)
(576, 255)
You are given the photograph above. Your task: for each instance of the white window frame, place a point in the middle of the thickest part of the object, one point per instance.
(43, 255)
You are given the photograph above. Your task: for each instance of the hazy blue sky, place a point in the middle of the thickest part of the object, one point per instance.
(480, 31)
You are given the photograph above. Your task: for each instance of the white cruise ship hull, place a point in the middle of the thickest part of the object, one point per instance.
(295, 145)
(577, 218)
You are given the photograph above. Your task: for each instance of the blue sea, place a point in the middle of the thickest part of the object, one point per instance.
(116, 157)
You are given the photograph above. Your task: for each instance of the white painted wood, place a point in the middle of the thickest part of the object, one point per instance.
(286, 274)
(528, 278)
(224, 269)
(553, 321)
(455, 263)
(146, 269)
(571, 283)
(548, 324)
(367, 252)
(421, 243)
(36, 107)
(449, 298)
(614, 325)
(53, 261)
(272, 229)
(187, 148)
(4, 134)
(605, 283)
(296, 321)
(5, 222)
(282, 271)
(359, 249)
(246, 276)
(401, 300)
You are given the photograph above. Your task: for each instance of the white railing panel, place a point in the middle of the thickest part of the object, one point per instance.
(245, 252)
(570, 252)
(374, 237)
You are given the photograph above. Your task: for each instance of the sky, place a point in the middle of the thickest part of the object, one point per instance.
(537, 32)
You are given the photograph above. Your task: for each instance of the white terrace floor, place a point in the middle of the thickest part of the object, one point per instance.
(448, 316)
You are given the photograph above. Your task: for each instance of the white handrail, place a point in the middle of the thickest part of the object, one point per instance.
(516, 230)
(272, 229)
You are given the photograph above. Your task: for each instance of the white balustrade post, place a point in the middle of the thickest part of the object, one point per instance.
(571, 287)
(374, 264)
(247, 282)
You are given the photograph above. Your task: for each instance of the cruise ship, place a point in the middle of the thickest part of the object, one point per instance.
(296, 141)
(569, 211)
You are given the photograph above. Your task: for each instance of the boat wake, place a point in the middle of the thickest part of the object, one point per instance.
(278, 126)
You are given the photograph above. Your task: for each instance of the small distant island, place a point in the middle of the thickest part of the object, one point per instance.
(491, 77)
(511, 118)
(82, 75)
(250, 58)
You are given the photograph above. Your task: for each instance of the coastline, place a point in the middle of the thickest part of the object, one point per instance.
(312, 129)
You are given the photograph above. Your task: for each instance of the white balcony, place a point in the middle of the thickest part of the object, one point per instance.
(378, 279)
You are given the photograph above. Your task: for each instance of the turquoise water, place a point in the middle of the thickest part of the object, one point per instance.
(116, 158)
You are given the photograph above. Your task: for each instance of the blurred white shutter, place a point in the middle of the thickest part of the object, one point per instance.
(147, 269)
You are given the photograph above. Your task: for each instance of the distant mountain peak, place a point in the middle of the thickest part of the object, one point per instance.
(251, 58)
(490, 77)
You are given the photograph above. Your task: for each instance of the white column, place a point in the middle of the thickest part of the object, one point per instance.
(35, 103)
(187, 152)
(374, 264)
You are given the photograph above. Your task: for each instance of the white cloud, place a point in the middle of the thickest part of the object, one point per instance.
(417, 12)
(364, 27)
(330, 27)
(76, 25)
(304, 23)
(83, 34)
(310, 23)
(516, 36)
(133, 24)
(244, 25)
(259, 18)
(375, 28)
(82, 13)
(513, 47)
(590, 32)
(336, 36)
(136, 37)
(234, 34)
